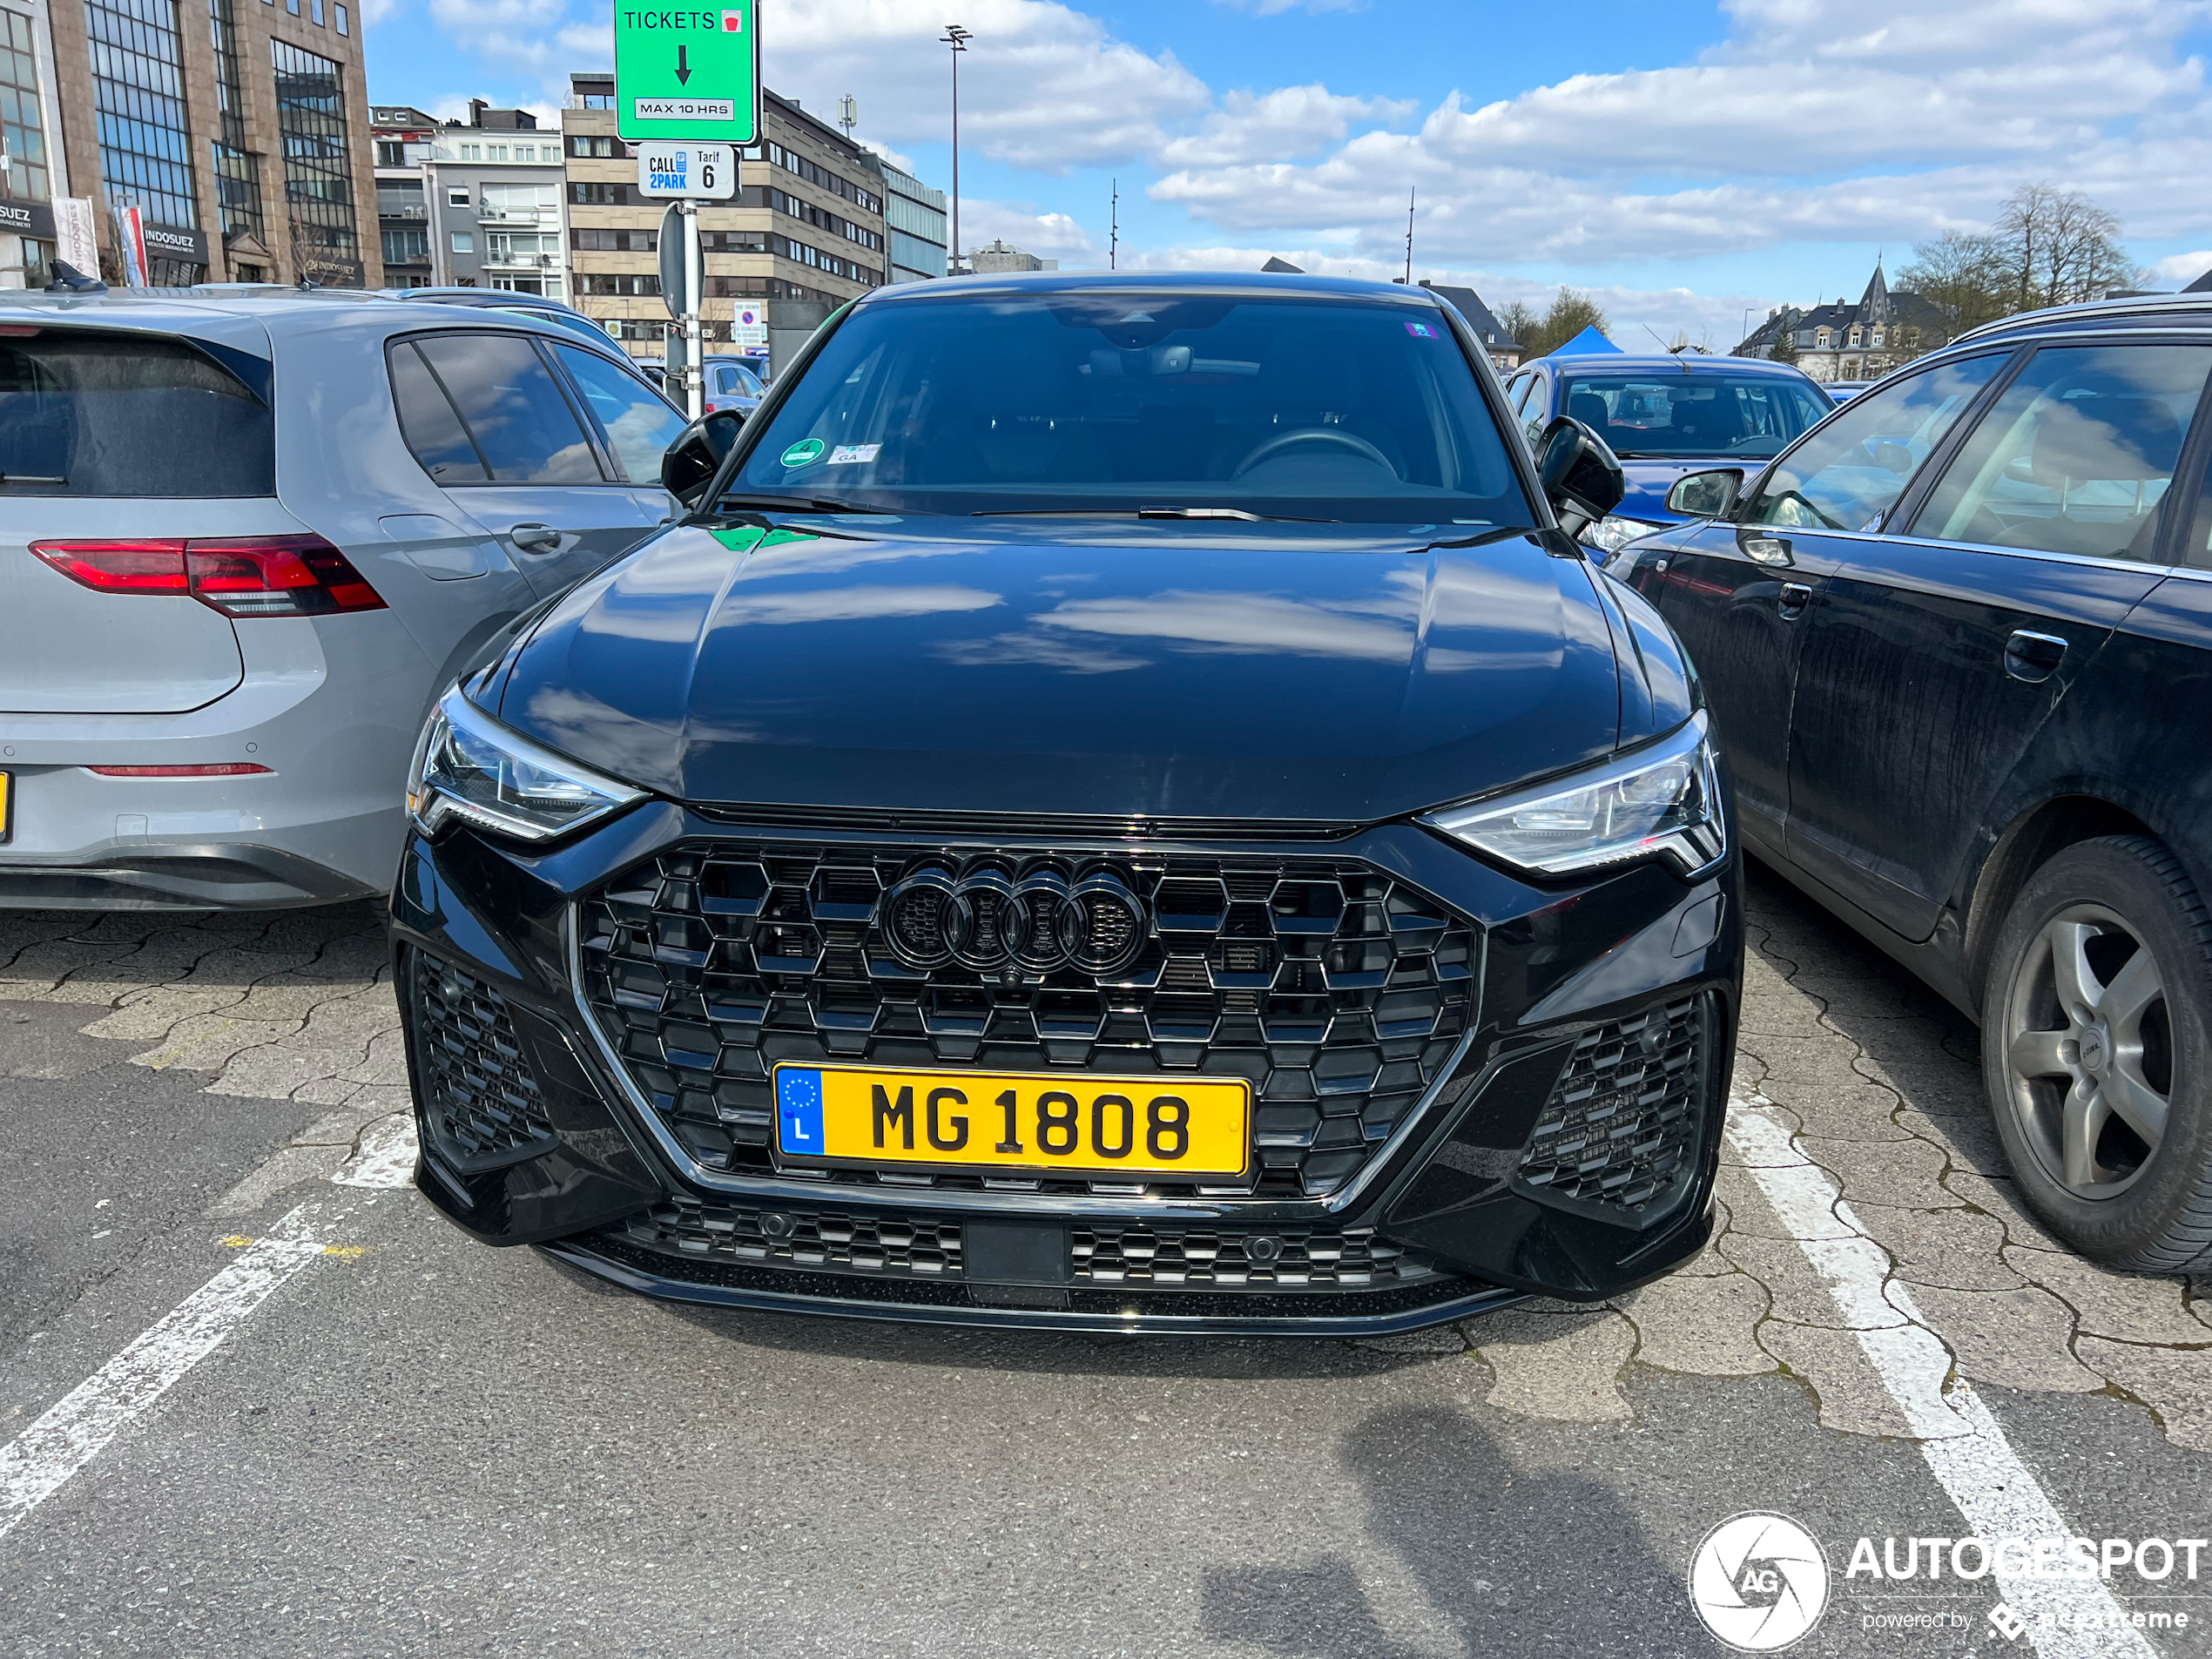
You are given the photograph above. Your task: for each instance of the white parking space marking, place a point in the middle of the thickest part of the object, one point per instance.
(37, 1462)
(1963, 1446)
(386, 1158)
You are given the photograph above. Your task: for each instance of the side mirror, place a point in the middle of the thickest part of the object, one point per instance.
(691, 462)
(1706, 495)
(1894, 457)
(1581, 475)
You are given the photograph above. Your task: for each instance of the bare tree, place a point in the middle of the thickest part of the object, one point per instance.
(1962, 275)
(2048, 248)
(1520, 325)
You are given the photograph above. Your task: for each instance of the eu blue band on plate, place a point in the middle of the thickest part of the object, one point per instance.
(798, 1109)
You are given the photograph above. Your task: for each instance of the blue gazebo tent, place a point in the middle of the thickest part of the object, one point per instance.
(1588, 343)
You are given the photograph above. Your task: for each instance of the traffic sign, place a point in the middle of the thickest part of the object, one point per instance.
(702, 172)
(675, 278)
(686, 73)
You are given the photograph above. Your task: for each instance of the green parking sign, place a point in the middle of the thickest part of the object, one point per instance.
(687, 73)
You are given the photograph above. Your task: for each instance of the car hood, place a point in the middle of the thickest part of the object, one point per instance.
(1131, 669)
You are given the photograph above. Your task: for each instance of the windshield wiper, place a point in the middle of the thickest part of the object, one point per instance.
(1237, 514)
(797, 504)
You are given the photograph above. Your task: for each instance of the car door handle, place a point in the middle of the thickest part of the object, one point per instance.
(1794, 598)
(2033, 657)
(535, 538)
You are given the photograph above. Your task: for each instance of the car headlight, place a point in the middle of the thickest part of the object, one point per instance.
(1611, 534)
(468, 768)
(1663, 801)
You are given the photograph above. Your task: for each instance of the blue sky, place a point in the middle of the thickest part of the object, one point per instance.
(1684, 162)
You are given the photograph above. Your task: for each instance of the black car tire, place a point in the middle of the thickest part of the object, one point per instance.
(2157, 1217)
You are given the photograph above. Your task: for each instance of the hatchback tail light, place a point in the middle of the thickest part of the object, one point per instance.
(240, 576)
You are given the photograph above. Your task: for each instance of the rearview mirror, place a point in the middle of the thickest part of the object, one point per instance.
(1706, 495)
(1581, 475)
(691, 462)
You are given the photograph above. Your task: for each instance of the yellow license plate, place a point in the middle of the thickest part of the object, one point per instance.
(7, 804)
(1032, 1122)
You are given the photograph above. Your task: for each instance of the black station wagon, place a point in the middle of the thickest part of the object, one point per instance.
(1957, 646)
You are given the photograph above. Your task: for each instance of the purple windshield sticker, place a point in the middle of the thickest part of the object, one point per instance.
(1421, 330)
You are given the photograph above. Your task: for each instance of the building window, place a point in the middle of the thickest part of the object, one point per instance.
(138, 105)
(391, 152)
(1821, 339)
(464, 241)
(582, 145)
(317, 173)
(598, 100)
(314, 9)
(19, 122)
(238, 171)
(522, 204)
(1878, 338)
(406, 248)
(615, 242)
(345, 23)
(1855, 336)
(456, 198)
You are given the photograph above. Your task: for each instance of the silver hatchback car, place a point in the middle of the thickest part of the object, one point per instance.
(246, 539)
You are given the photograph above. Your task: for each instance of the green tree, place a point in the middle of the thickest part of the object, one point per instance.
(1568, 314)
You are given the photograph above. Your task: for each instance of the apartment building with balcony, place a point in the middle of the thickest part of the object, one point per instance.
(404, 137)
(805, 233)
(493, 192)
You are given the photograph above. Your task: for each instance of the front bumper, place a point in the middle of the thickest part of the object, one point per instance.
(1565, 1147)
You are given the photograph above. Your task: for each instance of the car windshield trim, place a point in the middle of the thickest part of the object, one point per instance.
(1113, 400)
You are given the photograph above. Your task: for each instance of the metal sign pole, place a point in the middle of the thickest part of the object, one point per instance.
(694, 361)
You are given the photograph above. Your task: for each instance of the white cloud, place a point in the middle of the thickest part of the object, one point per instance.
(2182, 268)
(1819, 120)
(1048, 235)
(1273, 126)
(1041, 86)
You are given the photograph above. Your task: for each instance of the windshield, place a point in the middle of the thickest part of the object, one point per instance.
(1695, 416)
(1340, 410)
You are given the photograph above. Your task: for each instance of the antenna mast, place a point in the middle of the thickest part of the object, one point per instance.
(1114, 240)
(1409, 234)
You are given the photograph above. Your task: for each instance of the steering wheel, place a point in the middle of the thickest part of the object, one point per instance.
(1275, 446)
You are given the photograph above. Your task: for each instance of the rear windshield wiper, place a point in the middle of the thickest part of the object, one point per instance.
(1237, 514)
(796, 504)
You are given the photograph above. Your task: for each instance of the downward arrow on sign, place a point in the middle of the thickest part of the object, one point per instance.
(683, 67)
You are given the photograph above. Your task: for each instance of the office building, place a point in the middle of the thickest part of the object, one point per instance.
(35, 174)
(915, 215)
(805, 233)
(239, 131)
(1000, 256)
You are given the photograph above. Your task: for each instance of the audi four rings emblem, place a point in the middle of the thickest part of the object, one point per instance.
(990, 919)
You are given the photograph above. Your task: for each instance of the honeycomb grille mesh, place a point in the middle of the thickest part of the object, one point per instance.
(1337, 992)
(1621, 1126)
(480, 1094)
(1168, 1256)
(897, 1246)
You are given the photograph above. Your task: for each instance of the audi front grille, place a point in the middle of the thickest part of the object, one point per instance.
(1339, 993)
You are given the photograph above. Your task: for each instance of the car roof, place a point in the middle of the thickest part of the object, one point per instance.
(2192, 311)
(236, 313)
(1655, 363)
(501, 299)
(1239, 282)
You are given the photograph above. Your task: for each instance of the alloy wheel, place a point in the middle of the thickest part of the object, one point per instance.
(2089, 1050)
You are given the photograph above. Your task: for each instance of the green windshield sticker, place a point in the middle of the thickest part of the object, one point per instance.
(804, 452)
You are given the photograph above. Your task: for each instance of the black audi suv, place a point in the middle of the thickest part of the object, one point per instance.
(1958, 641)
(1123, 805)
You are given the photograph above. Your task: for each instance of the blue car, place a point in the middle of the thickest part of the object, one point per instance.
(1664, 416)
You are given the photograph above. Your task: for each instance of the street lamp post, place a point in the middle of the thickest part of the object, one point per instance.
(957, 38)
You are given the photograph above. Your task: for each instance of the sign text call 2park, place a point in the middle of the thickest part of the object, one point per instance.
(688, 73)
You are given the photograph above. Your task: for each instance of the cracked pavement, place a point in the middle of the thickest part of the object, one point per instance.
(426, 1447)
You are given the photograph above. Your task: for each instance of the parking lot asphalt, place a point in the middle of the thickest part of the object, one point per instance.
(256, 1399)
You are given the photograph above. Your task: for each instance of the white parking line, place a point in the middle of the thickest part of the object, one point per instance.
(35, 1463)
(1964, 1448)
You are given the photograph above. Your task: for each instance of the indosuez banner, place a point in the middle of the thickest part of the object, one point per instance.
(682, 72)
